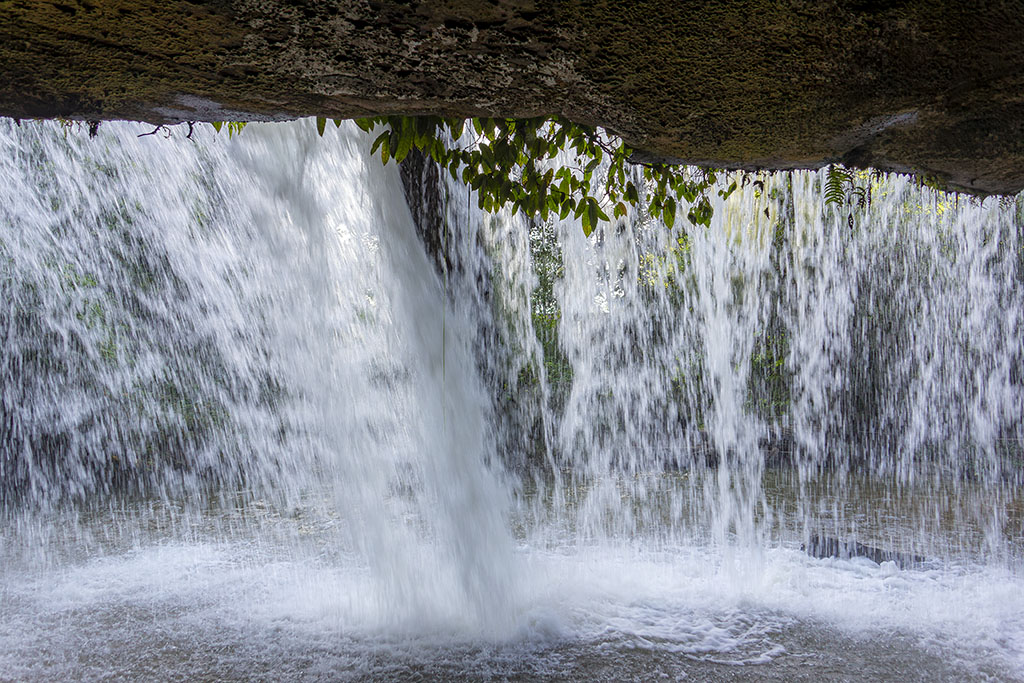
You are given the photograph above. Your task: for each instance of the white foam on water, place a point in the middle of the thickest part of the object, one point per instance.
(602, 600)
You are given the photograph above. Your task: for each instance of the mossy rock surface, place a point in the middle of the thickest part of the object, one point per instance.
(926, 86)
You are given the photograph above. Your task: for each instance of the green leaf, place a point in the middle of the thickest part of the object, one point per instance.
(567, 207)
(592, 215)
(405, 142)
(393, 141)
(632, 196)
(654, 208)
(669, 212)
(580, 209)
(380, 139)
(588, 223)
(217, 125)
(701, 213)
(487, 154)
(688, 192)
(321, 123)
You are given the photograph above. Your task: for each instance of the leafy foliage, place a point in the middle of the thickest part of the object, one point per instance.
(234, 127)
(543, 166)
(841, 186)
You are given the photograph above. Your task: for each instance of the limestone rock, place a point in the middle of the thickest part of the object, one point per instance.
(933, 87)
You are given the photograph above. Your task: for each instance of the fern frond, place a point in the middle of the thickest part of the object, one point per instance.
(836, 181)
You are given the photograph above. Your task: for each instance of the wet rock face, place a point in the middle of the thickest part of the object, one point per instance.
(923, 86)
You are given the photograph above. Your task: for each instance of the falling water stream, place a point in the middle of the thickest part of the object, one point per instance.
(256, 426)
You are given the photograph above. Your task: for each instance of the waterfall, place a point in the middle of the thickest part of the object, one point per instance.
(284, 417)
(827, 343)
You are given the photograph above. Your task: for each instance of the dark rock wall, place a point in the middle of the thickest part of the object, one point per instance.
(934, 87)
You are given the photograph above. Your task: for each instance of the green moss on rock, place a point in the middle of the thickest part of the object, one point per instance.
(918, 85)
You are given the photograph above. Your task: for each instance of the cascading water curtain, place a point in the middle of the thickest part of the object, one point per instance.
(828, 349)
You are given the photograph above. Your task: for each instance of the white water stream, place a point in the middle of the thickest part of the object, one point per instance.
(250, 431)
